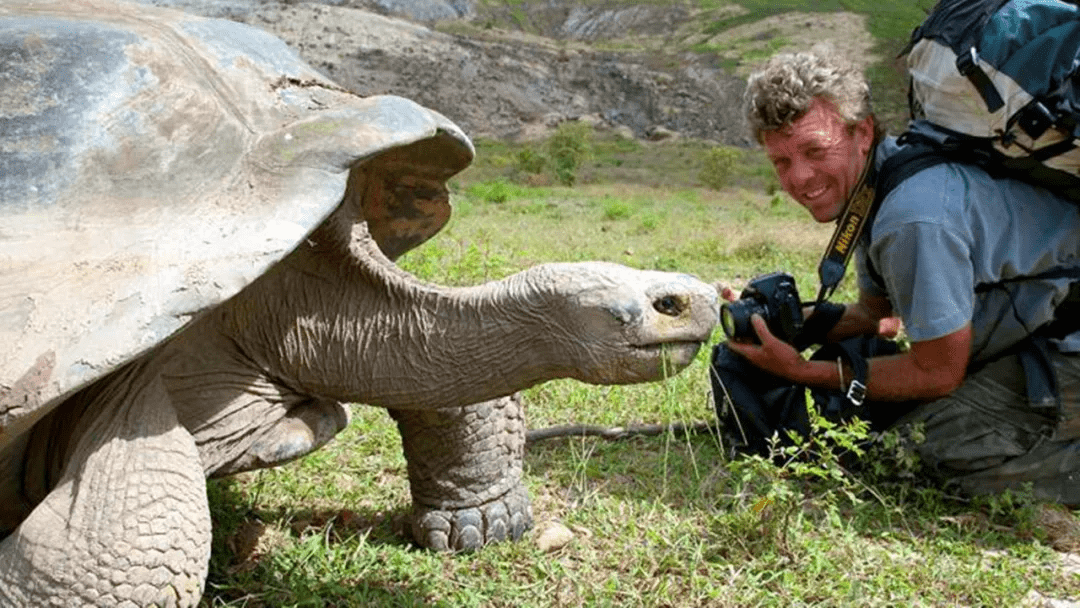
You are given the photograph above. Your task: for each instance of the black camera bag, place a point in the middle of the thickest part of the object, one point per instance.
(752, 405)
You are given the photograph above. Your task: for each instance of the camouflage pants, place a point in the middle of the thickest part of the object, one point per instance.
(985, 437)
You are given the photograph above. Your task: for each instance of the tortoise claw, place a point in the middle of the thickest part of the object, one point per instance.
(507, 517)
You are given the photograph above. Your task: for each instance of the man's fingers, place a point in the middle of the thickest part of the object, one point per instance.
(889, 327)
(760, 326)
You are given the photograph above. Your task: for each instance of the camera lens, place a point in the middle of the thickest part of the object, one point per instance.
(735, 319)
(726, 321)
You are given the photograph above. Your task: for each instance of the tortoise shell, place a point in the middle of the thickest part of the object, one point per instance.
(152, 164)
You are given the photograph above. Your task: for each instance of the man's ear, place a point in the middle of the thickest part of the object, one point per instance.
(864, 135)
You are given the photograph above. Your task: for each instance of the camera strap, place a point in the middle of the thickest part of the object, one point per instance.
(857, 212)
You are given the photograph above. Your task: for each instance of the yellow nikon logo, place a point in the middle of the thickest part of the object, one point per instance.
(844, 240)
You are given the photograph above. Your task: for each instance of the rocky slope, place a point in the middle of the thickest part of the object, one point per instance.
(548, 64)
(504, 84)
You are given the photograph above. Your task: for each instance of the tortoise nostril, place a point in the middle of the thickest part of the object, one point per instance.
(668, 305)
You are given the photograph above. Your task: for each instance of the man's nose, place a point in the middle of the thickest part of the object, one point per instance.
(800, 171)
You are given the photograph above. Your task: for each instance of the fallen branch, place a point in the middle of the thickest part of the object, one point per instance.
(618, 432)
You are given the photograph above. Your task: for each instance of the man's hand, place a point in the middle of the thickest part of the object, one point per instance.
(889, 327)
(772, 355)
(726, 292)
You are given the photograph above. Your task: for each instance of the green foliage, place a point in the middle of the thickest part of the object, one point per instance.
(649, 222)
(615, 160)
(568, 148)
(776, 202)
(531, 162)
(497, 191)
(615, 209)
(756, 251)
(718, 166)
(457, 263)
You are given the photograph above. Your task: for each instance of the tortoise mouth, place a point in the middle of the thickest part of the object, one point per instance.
(680, 352)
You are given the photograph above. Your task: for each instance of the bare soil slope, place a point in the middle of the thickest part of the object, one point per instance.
(616, 66)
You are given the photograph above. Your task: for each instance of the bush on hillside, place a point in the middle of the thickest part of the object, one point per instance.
(718, 166)
(568, 148)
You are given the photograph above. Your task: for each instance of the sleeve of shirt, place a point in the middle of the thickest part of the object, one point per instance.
(865, 280)
(929, 277)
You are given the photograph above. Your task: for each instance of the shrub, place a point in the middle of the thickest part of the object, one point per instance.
(530, 162)
(497, 191)
(615, 209)
(568, 148)
(718, 166)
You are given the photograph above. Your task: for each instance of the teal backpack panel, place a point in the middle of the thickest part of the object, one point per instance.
(997, 83)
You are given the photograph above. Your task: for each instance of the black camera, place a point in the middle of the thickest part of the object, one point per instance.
(774, 297)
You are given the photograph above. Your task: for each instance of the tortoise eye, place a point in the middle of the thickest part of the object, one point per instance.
(668, 305)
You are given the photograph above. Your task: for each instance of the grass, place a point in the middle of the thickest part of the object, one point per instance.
(666, 521)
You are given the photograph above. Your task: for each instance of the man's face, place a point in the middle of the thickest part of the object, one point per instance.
(819, 158)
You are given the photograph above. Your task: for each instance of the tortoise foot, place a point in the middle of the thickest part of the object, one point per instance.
(507, 517)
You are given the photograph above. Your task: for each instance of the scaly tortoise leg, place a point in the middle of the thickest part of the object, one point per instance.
(127, 522)
(465, 473)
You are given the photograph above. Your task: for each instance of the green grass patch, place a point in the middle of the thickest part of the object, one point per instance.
(614, 160)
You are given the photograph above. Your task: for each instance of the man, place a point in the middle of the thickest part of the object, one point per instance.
(936, 238)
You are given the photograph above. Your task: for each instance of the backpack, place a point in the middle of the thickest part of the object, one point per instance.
(752, 405)
(995, 83)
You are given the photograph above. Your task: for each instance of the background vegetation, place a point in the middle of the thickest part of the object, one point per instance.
(657, 521)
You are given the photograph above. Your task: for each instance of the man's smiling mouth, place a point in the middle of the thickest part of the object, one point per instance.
(815, 194)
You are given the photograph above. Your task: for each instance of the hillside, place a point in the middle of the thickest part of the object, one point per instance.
(507, 70)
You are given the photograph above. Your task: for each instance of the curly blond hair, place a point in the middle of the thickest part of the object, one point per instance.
(783, 89)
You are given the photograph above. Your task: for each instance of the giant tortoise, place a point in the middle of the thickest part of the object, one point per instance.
(196, 242)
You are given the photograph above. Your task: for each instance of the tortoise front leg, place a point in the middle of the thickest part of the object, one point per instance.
(127, 522)
(465, 468)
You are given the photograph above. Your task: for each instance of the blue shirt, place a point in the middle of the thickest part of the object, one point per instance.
(951, 227)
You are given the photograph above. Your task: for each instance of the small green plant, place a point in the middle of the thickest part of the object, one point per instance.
(496, 191)
(490, 192)
(568, 148)
(649, 222)
(531, 162)
(892, 457)
(615, 209)
(718, 166)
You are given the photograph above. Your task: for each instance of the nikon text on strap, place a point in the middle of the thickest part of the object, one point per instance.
(858, 210)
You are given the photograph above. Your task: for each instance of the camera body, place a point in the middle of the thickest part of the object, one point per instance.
(774, 297)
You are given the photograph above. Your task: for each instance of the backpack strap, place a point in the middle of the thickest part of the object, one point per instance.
(1053, 273)
(968, 65)
(917, 152)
